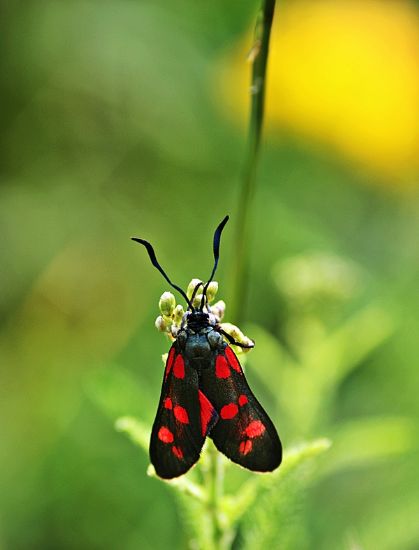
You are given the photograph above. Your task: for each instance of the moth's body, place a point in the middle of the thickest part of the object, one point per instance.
(204, 393)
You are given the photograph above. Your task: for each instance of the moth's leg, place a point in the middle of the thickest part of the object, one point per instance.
(233, 341)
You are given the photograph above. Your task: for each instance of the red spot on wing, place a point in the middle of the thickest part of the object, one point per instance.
(222, 370)
(177, 451)
(255, 428)
(207, 412)
(165, 435)
(169, 363)
(179, 367)
(181, 414)
(168, 403)
(245, 447)
(243, 400)
(232, 359)
(229, 411)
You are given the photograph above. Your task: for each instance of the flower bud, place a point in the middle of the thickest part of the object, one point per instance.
(167, 303)
(218, 309)
(233, 331)
(197, 300)
(212, 290)
(178, 314)
(191, 287)
(161, 324)
(250, 344)
(237, 334)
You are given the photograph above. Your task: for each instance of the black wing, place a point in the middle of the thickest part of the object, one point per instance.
(183, 419)
(244, 431)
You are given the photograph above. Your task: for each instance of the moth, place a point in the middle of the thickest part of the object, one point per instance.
(205, 394)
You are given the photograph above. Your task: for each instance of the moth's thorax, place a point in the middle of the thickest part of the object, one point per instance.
(199, 346)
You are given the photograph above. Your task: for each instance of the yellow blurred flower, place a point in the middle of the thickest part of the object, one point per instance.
(344, 73)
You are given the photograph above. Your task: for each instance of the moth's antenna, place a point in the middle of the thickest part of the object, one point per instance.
(216, 249)
(156, 264)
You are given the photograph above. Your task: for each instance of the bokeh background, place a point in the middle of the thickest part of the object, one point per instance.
(123, 118)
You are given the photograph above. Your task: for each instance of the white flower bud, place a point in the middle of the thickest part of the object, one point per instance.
(178, 314)
(167, 303)
(212, 290)
(161, 324)
(238, 336)
(250, 344)
(218, 309)
(197, 300)
(233, 331)
(191, 287)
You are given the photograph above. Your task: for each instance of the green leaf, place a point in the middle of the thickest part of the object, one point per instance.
(344, 349)
(362, 442)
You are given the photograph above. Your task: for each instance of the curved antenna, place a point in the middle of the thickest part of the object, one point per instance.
(216, 249)
(156, 264)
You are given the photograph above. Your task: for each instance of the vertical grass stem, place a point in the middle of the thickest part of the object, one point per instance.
(259, 58)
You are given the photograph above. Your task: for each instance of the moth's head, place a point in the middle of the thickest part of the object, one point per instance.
(196, 316)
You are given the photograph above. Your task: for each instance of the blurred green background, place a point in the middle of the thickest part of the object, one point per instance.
(124, 118)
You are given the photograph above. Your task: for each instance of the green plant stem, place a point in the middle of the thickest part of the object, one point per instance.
(259, 53)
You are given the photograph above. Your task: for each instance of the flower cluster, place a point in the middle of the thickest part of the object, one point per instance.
(172, 314)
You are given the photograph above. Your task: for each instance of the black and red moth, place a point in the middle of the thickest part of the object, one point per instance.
(205, 393)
